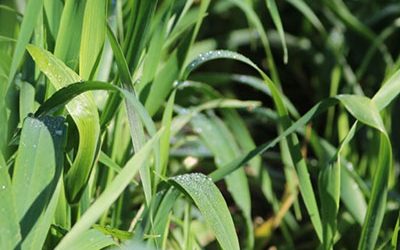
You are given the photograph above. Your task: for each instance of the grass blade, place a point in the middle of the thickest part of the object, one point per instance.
(305, 185)
(84, 112)
(212, 205)
(396, 233)
(110, 194)
(219, 140)
(93, 35)
(92, 239)
(276, 18)
(36, 176)
(135, 124)
(9, 226)
(69, 34)
(34, 9)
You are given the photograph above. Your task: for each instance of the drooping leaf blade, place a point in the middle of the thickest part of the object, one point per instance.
(84, 112)
(212, 205)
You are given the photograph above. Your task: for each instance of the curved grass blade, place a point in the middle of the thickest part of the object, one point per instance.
(364, 110)
(367, 112)
(254, 20)
(220, 141)
(305, 185)
(110, 194)
(276, 18)
(254, 82)
(390, 89)
(309, 14)
(84, 112)
(36, 177)
(64, 95)
(212, 205)
(352, 198)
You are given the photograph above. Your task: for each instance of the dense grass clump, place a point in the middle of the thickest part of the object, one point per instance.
(199, 124)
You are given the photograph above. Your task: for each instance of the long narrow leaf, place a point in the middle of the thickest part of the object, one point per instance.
(84, 112)
(212, 205)
(106, 199)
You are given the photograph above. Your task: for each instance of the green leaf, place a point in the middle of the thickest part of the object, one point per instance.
(69, 33)
(308, 13)
(110, 194)
(26, 100)
(84, 112)
(220, 141)
(135, 124)
(92, 239)
(37, 172)
(276, 18)
(212, 205)
(172, 69)
(389, 91)
(9, 226)
(138, 25)
(162, 216)
(154, 54)
(367, 112)
(305, 185)
(377, 203)
(329, 183)
(106, 160)
(165, 139)
(53, 10)
(363, 109)
(93, 35)
(396, 233)
(33, 11)
(255, 21)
